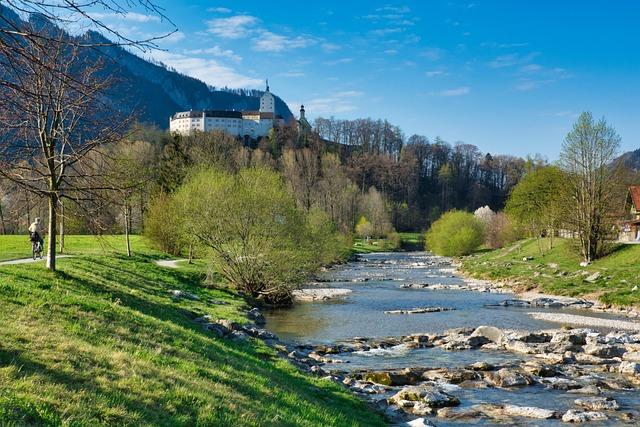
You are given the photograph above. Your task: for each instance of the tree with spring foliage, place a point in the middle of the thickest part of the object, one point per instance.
(586, 158)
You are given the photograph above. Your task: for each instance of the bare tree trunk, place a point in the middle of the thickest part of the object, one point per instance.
(61, 226)
(127, 227)
(4, 228)
(51, 245)
(190, 253)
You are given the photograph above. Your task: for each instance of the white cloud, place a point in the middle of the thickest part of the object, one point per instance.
(174, 37)
(459, 91)
(531, 68)
(129, 16)
(330, 47)
(432, 53)
(208, 70)
(216, 51)
(234, 27)
(435, 73)
(219, 10)
(339, 61)
(292, 74)
(394, 9)
(272, 42)
(512, 60)
(391, 51)
(335, 103)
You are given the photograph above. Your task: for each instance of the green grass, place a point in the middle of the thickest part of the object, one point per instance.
(409, 241)
(19, 246)
(620, 270)
(100, 342)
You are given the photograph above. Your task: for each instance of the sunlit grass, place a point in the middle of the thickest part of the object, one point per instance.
(101, 342)
(620, 270)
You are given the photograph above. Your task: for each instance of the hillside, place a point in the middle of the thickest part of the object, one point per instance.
(102, 342)
(630, 159)
(153, 91)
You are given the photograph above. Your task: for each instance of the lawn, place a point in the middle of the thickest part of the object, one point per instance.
(558, 271)
(19, 246)
(101, 342)
(404, 241)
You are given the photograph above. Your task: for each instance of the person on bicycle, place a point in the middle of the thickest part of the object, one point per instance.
(35, 232)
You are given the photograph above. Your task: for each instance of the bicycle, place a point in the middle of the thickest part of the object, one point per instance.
(36, 249)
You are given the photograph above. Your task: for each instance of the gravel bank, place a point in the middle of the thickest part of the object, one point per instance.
(319, 294)
(572, 319)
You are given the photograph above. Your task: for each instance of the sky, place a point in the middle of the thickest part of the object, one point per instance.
(507, 76)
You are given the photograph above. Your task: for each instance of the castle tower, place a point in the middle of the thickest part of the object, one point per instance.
(302, 112)
(267, 101)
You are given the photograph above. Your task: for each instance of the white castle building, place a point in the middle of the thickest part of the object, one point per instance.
(253, 124)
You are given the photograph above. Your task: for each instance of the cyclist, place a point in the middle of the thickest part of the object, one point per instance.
(35, 232)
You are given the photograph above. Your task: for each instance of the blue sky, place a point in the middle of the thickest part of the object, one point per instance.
(507, 76)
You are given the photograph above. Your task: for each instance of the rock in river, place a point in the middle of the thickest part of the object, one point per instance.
(509, 377)
(597, 403)
(507, 411)
(429, 395)
(419, 310)
(574, 416)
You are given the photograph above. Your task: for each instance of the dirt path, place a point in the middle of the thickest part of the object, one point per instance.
(170, 263)
(30, 260)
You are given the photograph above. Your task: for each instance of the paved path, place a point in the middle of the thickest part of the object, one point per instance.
(170, 263)
(30, 260)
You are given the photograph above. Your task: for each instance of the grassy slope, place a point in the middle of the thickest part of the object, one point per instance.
(101, 342)
(620, 270)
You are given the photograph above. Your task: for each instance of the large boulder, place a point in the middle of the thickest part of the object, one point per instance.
(597, 403)
(491, 333)
(394, 378)
(508, 411)
(509, 377)
(604, 350)
(431, 396)
(629, 368)
(575, 416)
(255, 315)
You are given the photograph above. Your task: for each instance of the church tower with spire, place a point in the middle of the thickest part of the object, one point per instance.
(267, 101)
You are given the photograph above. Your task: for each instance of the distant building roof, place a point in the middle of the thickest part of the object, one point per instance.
(229, 114)
(634, 194)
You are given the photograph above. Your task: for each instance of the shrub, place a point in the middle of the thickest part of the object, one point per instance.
(364, 228)
(455, 233)
(500, 231)
(161, 222)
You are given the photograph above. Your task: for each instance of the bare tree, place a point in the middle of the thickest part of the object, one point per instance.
(55, 119)
(587, 155)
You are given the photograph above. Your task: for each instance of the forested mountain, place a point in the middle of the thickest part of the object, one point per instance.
(151, 90)
(631, 160)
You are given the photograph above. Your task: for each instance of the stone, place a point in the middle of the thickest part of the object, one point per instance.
(603, 350)
(504, 411)
(539, 369)
(482, 366)
(178, 294)
(255, 315)
(239, 336)
(429, 395)
(418, 422)
(632, 356)
(491, 333)
(593, 277)
(629, 368)
(453, 376)
(458, 413)
(519, 347)
(584, 263)
(218, 330)
(421, 310)
(597, 403)
(393, 378)
(509, 377)
(588, 389)
(575, 416)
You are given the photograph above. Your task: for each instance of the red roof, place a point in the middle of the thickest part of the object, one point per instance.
(634, 193)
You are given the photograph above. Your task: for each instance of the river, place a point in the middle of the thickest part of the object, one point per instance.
(376, 282)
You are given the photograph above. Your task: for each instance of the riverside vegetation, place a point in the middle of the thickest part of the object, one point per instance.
(105, 341)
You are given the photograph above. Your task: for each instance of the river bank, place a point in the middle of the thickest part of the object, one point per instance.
(611, 283)
(390, 341)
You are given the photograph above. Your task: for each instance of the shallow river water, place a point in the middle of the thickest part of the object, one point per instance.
(376, 280)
